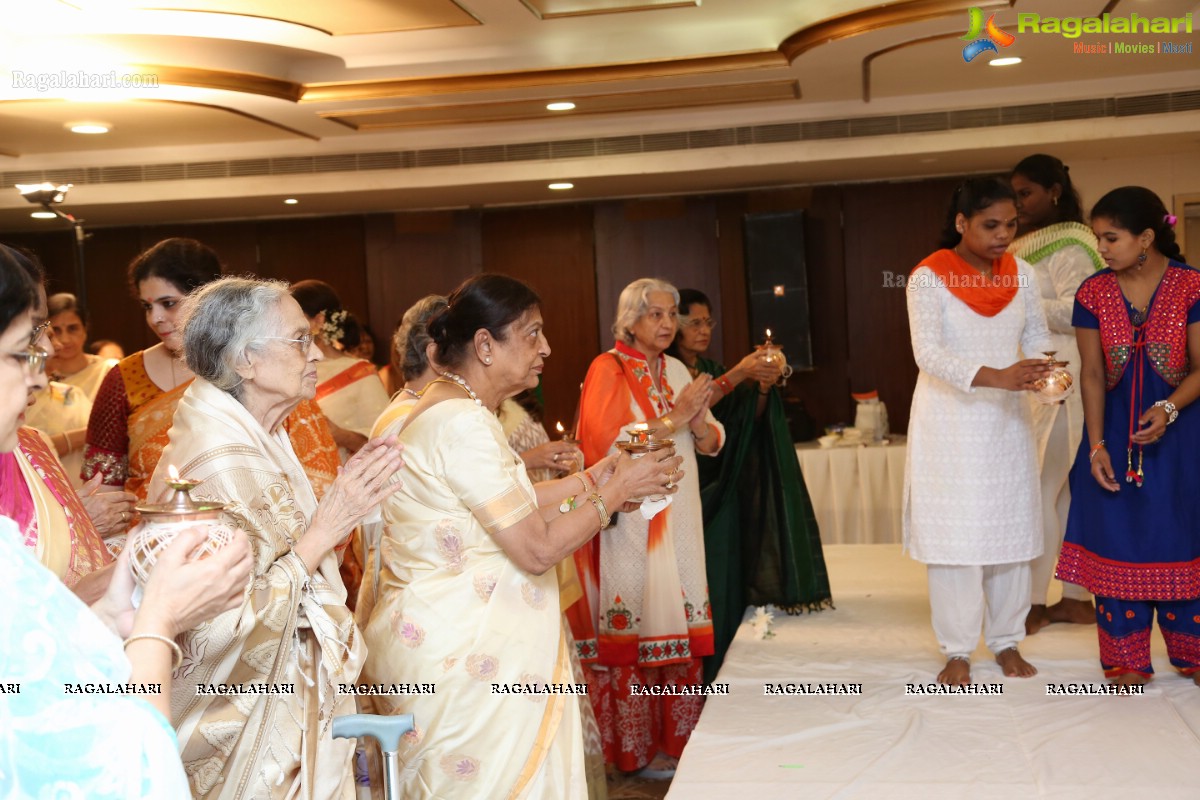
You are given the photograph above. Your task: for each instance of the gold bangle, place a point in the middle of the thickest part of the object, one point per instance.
(598, 501)
(667, 421)
(583, 480)
(178, 652)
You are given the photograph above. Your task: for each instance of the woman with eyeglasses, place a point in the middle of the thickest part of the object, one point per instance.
(132, 413)
(761, 541)
(59, 735)
(62, 527)
(645, 618)
(248, 344)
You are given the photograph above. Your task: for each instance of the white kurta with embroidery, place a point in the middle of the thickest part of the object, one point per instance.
(971, 480)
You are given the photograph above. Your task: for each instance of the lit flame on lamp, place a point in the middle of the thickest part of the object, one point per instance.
(558, 426)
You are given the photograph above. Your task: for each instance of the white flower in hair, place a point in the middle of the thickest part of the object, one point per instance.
(333, 328)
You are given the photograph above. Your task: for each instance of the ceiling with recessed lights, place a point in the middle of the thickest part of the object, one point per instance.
(224, 108)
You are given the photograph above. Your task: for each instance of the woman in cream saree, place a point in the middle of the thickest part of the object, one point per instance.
(454, 610)
(468, 598)
(293, 633)
(293, 630)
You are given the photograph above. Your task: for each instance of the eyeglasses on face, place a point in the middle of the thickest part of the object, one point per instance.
(304, 341)
(695, 323)
(34, 359)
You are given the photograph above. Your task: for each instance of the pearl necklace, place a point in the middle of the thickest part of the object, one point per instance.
(407, 390)
(466, 387)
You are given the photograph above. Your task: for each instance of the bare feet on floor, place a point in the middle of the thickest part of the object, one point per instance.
(1013, 665)
(1078, 612)
(957, 672)
(1037, 618)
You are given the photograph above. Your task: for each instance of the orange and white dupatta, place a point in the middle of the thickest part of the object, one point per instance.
(667, 623)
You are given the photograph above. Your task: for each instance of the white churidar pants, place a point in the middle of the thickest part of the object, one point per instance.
(1056, 501)
(963, 599)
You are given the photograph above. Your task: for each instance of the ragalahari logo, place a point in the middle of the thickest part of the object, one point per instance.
(979, 44)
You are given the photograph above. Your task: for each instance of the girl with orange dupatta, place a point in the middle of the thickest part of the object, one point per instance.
(972, 504)
(645, 617)
(133, 410)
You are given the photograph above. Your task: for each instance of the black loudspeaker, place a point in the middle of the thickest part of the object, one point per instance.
(778, 283)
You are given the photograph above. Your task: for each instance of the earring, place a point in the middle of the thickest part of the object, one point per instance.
(1054, 200)
(488, 360)
(1142, 257)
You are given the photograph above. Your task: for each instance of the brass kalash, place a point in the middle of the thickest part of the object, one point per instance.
(641, 441)
(1058, 385)
(162, 522)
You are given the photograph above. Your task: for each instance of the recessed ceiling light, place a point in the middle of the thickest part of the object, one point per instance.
(43, 215)
(565, 105)
(88, 127)
(291, 201)
(1004, 62)
(558, 187)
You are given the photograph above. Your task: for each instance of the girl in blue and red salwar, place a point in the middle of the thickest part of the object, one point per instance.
(1133, 532)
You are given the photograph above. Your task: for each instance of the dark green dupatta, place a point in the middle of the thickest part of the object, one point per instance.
(761, 541)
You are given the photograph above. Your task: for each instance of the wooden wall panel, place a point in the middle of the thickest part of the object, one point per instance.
(115, 313)
(409, 256)
(823, 391)
(674, 239)
(889, 228)
(331, 249)
(551, 249)
(235, 242)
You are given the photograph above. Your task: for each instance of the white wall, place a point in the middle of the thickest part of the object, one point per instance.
(1166, 175)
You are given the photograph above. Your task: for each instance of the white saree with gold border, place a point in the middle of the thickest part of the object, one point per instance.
(455, 613)
(292, 631)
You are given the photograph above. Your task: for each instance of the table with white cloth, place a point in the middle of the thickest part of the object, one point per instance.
(857, 492)
(887, 743)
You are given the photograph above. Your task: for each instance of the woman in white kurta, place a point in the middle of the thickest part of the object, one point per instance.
(972, 509)
(1062, 252)
(468, 599)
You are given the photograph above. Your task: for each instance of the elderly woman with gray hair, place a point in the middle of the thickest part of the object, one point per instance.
(645, 617)
(249, 345)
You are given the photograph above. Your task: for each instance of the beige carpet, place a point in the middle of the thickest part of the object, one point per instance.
(886, 744)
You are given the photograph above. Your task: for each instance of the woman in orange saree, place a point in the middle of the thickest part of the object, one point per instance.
(645, 617)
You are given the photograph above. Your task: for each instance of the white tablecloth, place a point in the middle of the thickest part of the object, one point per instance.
(857, 492)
